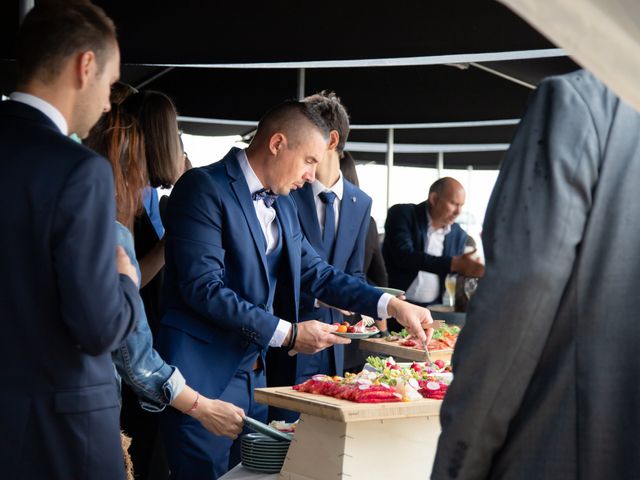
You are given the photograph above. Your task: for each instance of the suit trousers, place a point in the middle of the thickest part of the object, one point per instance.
(195, 453)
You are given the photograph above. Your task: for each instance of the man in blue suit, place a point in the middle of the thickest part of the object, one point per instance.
(63, 304)
(236, 262)
(422, 244)
(334, 216)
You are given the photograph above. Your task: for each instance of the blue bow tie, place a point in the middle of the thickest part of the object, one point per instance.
(267, 196)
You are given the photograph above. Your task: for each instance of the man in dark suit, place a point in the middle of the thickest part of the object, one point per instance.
(334, 216)
(236, 261)
(422, 244)
(63, 305)
(546, 369)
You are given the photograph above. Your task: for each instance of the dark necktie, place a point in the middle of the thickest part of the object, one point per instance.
(329, 233)
(265, 195)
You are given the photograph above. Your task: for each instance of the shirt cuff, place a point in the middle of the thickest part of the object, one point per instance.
(383, 302)
(315, 303)
(281, 333)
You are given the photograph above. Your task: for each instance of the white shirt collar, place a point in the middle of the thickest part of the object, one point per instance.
(338, 188)
(442, 230)
(250, 176)
(45, 107)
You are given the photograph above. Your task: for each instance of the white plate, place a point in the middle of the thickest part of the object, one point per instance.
(355, 336)
(391, 291)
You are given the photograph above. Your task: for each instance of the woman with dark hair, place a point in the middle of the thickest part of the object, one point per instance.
(156, 384)
(158, 121)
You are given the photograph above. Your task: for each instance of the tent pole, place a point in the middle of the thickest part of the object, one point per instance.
(469, 193)
(389, 164)
(23, 8)
(440, 164)
(301, 81)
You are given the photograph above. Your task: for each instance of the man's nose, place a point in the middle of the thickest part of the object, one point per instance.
(310, 175)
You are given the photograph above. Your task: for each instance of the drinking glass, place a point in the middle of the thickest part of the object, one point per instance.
(450, 286)
(470, 285)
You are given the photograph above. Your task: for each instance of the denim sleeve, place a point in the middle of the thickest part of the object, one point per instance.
(139, 365)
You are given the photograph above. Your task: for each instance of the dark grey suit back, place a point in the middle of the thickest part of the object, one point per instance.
(546, 368)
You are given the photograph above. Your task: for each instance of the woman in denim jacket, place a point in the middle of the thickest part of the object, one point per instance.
(157, 384)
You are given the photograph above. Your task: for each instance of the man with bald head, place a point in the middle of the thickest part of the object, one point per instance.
(63, 305)
(423, 244)
(236, 262)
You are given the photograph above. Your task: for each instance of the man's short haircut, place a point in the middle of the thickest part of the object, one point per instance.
(335, 115)
(55, 30)
(440, 185)
(289, 118)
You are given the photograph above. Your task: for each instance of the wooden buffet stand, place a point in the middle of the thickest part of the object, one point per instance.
(338, 439)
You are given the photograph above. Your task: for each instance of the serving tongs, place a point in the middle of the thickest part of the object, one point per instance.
(434, 325)
(267, 430)
(426, 350)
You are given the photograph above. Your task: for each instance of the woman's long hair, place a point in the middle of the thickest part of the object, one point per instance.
(117, 136)
(158, 120)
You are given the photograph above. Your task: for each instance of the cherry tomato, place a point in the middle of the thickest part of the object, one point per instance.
(342, 329)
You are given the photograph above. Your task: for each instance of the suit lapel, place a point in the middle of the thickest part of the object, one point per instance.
(423, 223)
(241, 191)
(347, 228)
(293, 254)
(308, 216)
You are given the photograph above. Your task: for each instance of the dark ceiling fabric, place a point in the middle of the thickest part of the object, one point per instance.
(372, 95)
(291, 30)
(201, 31)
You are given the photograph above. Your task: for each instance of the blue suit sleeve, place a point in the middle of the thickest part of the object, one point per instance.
(196, 226)
(99, 306)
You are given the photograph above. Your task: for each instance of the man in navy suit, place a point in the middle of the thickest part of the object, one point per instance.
(236, 261)
(334, 216)
(422, 244)
(63, 304)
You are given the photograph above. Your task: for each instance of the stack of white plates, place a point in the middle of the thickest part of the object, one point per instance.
(262, 454)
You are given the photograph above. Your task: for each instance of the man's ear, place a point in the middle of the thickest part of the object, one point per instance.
(433, 199)
(86, 68)
(277, 142)
(334, 138)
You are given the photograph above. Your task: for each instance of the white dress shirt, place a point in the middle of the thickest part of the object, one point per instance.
(266, 215)
(425, 288)
(45, 107)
